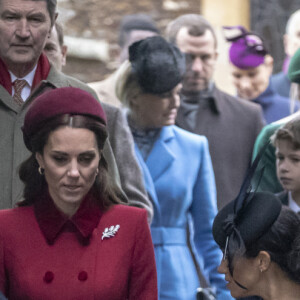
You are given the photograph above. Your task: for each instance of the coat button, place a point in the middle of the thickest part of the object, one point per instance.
(82, 276)
(48, 277)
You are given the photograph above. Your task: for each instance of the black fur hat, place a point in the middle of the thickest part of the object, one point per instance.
(158, 64)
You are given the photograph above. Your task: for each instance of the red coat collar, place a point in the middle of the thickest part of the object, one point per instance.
(41, 73)
(52, 222)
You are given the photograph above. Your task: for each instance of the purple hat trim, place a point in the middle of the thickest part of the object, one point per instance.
(247, 51)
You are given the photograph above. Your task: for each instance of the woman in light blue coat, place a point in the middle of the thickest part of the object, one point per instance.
(177, 170)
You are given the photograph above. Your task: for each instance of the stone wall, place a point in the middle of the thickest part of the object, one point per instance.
(100, 19)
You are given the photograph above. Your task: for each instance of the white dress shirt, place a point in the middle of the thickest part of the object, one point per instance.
(29, 79)
(292, 204)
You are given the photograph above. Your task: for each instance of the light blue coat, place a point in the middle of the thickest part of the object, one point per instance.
(179, 178)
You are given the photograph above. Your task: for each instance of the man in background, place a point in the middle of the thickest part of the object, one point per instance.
(132, 29)
(55, 48)
(230, 124)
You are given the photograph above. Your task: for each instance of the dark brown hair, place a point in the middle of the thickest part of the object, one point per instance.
(35, 184)
(282, 242)
(290, 132)
(196, 24)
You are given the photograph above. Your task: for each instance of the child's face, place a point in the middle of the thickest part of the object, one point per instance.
(288, 166)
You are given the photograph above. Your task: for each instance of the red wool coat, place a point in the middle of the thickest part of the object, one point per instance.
(44, 256)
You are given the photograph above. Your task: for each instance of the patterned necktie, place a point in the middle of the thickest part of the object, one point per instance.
(18, 86)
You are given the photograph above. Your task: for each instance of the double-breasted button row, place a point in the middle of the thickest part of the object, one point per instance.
(82, 276)
(49, 276)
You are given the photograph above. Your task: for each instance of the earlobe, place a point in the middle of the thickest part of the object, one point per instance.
(269, 60)
(134, 100)
(216, 55)
(264, 260)
(134, 103)
(39, 158)
(64, 50)
(269, 63)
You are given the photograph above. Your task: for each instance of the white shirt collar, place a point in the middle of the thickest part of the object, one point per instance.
(292, 204)
(29, 77)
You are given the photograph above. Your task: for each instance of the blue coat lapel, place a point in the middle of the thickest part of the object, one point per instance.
(161, 156)
(148, 182)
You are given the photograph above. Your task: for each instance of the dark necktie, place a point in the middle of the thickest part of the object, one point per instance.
(18, 86)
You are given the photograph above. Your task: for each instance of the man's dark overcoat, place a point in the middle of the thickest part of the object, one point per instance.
(231, 126)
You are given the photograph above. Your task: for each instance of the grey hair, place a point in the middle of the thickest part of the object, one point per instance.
(51, 7)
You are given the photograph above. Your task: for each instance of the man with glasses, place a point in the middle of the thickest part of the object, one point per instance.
(231, 125)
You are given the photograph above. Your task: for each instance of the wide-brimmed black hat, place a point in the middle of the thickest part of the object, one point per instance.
(247, 218)
(251, 222)
(158, 65)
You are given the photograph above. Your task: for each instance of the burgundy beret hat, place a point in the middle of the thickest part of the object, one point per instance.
(60, 101)
(247, 49)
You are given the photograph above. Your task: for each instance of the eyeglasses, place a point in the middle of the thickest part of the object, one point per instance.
(235, 33)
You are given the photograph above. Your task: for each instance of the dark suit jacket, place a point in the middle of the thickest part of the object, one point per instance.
(231, 126)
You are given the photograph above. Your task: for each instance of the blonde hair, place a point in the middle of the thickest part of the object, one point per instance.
(292, 21)
(127, 86)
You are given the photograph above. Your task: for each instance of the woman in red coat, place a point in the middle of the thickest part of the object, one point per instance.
(70, 238)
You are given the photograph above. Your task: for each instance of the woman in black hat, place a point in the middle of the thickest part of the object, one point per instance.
(177, 169)
(70, 238)
(260, 240)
